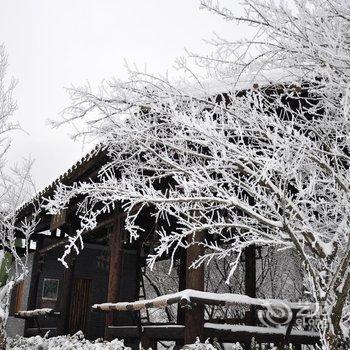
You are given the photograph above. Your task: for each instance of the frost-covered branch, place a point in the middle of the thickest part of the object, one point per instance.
(259, 150)
(16, 187)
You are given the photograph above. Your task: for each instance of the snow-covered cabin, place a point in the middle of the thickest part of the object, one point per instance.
(111, 273)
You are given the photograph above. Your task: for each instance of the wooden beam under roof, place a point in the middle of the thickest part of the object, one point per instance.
(65, 240)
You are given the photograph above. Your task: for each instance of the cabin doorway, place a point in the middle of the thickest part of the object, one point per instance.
(80, 305)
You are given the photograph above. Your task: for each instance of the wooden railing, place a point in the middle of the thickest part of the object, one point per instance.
(223, 332)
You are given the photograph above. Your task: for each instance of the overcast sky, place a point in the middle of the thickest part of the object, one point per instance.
(53, 44)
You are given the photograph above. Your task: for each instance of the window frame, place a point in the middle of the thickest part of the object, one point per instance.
(57, 289)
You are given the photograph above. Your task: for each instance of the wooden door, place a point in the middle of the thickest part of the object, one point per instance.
(80, 305)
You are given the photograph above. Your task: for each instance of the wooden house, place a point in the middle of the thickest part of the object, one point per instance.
(109, 270)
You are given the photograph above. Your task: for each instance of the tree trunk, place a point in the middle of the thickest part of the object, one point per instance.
(337, 342)
(2, 335)
(336, 338)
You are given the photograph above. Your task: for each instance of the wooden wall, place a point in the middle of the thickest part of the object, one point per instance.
(90, 265)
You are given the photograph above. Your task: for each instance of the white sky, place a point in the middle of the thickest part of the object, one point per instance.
(55, 43)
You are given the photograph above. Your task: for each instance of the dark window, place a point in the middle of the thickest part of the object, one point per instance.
(50, 289)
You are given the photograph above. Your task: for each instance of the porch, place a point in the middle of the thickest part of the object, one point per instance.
(282, 333)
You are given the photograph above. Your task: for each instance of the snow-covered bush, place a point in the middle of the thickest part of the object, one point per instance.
(64, 342)
(200, 346)
(214, 345)
(78, 342)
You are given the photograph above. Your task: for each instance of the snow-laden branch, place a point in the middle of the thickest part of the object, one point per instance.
(16, 187)
(259, 151)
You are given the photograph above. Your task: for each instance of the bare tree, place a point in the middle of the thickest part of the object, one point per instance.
(16, 187)
(264, 162)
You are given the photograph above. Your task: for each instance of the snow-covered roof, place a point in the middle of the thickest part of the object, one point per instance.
(66, 176)
(246, 81)
(204, 88)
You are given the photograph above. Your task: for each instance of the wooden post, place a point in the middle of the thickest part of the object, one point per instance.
(250, 279)
(148, 343)
(182, 285)
(250, 285)
(65, 298)
(194, 318)
(182, 270)
(115, 267)
(34, 283)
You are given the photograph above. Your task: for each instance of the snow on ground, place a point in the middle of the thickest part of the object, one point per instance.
(207, 346)
(78, 342)
(64, 342)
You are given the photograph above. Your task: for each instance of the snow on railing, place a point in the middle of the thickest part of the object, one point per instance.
(190, 296)
(34, 313)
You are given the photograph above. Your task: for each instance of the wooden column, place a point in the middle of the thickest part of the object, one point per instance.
(148, 343)
(182, 269)
(115, 266)
(250, 286)
(65, 297)
(182, 285)
(194, 318)
(34, 283)
(250, 280)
